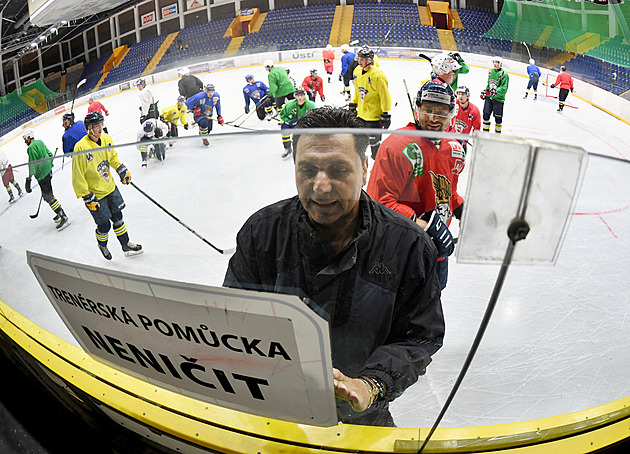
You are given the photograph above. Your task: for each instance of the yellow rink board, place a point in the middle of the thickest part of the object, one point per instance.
(203, 425)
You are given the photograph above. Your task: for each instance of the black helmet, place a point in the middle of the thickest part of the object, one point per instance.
(366, 53)
(92, 119)
(69, 116)
(299, 91)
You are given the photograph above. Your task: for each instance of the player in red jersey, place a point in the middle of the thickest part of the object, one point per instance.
(468, 117)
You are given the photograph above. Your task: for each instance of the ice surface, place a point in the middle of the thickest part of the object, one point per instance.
(558, 341)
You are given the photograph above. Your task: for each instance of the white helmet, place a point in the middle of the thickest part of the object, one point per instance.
(268, 64)
(28, 134)
(532, 61)
(329, 47)
(183, 71)
(345, 48)
(499, 59)
(443, 64)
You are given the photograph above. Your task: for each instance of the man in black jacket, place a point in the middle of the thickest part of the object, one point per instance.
(369, 271)
(188, 84)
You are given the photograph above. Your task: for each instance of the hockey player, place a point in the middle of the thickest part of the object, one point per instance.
(148, 104)
(171, 114)
(371, 100)
(202, 105)
(7, 177)
(564, 82)
(468, 117)
(75, 131)
(259, 94)
(188, 84)
(92, 181)
(346, 70)
(42, 171)
(280, 86)
(97, 106)
(329, 58)
(313, 85)
(289, 115)
(152, 129)
(535, 74)
(494, 95)
(447, 67)
(417, 176)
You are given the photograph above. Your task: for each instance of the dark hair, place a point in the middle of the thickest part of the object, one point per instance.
(333, 117)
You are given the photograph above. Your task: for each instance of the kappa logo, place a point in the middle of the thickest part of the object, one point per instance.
(379, 268)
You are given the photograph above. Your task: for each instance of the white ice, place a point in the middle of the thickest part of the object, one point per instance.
(558, 341)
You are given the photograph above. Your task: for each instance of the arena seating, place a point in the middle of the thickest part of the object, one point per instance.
(135, 61)
(471, 39)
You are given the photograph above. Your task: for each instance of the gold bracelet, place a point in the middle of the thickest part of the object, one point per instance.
(372, 389)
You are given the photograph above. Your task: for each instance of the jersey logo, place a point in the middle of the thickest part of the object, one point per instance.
(458, 167)
(457, 151)
(89, 156)
(103, 170)
(363, 92)
(460, 126)
(414, 155)
(443, 192)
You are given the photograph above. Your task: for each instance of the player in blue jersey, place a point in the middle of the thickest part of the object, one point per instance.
(535, 74)
(346, 69)
(257, 92)
(75, 131)
(202, 105)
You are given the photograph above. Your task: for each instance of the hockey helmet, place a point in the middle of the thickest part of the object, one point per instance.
(438, 92)
(563, 68)
(93, 118)
(268, 64)
(499, 59)
(463, 89)
(210, 87)
(181, 99)
(148, 127)
(28, 134)
(249, 78)
(183, 71)
(329, 47)
(443, 64)
(299, 91)
(532, 61)
(68, 116)
(345, 48)
(313, 71)
(141, 81)
(367, 53)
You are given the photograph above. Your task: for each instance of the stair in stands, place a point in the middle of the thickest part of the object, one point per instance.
(159, 54)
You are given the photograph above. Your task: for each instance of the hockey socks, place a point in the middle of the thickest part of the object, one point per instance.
(486, 126)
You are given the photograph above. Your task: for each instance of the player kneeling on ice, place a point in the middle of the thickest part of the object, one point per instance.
(417, 176)
(42, 171)
(289, 115)
(366, 269)
(152, 129)
(92, 180)
(257, 92)
(171, 114)
(202, 105)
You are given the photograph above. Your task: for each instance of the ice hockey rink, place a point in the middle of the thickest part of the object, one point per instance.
(558, 341)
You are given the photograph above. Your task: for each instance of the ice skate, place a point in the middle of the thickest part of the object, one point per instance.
(11, 198)
(130, 249)
(144, 164)
(535, 97)
(286, 153)
(151, 150)
(559, 110)
(57, 218)
(105, 251)
(525, 97)
(63, 222)
(20, 192)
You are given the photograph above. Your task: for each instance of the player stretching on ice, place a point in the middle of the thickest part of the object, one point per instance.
(92, 180)
(259, 94)
(202, 105)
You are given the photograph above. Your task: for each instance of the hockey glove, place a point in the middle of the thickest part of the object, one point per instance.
(385, 121)
(220, 120)
(91, 202)
(352, 107)
(162, 118)
(125, 176)
(571, 90)
(28, 185)
(455, 56)
(439, 233)
(158, 133)
(186, 126)
(340, 77)
(197, 112)
(483, 95)
(553, 86)
(142, 119)
(246, 109)
(323, 98)
(457, 212)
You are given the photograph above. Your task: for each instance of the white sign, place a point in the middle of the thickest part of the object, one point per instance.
(147, 19)
(169, 11)
(192, 4)
(261, 353)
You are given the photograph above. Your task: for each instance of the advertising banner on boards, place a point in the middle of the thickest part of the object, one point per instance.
(261, 353)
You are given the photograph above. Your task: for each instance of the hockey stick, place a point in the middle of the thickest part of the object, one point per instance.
(526, 47)
(220, 251)
(413, 112)
(33, 216)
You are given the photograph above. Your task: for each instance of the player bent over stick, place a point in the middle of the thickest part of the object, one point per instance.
(92, 180)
